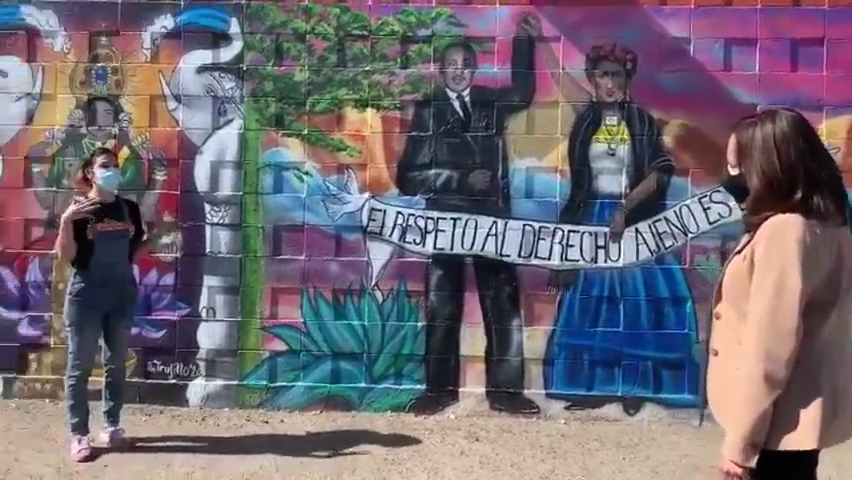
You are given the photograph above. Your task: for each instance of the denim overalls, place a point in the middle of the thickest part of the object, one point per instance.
(100, 300)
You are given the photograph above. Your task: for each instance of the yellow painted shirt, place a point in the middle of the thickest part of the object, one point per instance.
(615, 134)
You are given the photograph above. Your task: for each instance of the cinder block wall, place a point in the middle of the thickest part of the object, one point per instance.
(242, 129)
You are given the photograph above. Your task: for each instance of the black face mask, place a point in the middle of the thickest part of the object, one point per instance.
(736, 187)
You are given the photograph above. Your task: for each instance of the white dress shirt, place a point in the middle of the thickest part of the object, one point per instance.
(454, 99)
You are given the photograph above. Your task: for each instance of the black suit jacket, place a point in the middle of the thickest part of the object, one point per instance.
(442, 150)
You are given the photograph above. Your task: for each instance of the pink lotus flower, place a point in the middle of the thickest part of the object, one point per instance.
(155, 303)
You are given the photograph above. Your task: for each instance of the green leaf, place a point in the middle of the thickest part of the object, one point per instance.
(319, 379)
(277, 368)
(402, 338)
(347, 370)
(350, 308)
(415, 330)
(349, 320)
(413, 373)
(298, 397)
(405, 307)
(358, 23)
(387, 27)
(312, 321)
(374, 321)
(415, 339)
(439, 14)
(337, 336)
(388, 399)
(347, 312)
(388, 307)
(324, 32)
(307, 396)
(404, 331)
(294, 338)
(394, 348)
(312, 11)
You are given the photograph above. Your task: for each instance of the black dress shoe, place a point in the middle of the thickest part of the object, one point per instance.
(632, 406)
(431, 403)
(515, 403)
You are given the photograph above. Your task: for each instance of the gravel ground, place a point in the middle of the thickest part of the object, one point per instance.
(177, 443)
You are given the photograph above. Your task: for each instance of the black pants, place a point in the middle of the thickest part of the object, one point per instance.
(786, 465)
(497, 288)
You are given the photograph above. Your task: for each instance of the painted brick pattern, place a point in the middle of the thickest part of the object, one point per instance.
(242, 127)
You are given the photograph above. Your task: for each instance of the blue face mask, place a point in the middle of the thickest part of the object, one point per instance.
(107, 179)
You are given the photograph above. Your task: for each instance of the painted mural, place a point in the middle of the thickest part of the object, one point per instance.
(368, 206)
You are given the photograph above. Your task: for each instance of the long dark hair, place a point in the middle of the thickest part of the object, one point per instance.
(788, 169)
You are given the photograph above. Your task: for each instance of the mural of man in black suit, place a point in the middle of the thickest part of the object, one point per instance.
(455, 157)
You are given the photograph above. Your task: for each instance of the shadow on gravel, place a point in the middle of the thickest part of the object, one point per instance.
(327, 444)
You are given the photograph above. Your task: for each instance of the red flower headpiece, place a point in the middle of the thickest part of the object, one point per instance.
(615, 53)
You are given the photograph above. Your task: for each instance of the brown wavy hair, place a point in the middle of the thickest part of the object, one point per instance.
(81, 179)
(787, 169)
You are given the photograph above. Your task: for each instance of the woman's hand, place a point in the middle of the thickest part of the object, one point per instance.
(79, 210)
(618, 225)
(66, 247)
(731, 471)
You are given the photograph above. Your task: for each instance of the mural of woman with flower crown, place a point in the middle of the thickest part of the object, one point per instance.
(627, 333)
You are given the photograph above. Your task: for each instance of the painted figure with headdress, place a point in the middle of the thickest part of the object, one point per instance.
(98, 119)
(610, 343)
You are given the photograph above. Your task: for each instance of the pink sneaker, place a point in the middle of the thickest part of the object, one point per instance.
(81, 449)
(113, 437)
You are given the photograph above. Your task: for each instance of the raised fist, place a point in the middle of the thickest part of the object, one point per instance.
(530, 25)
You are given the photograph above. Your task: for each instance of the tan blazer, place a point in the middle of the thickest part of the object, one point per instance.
(780, 366)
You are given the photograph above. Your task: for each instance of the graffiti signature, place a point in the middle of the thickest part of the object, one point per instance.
(173, 370)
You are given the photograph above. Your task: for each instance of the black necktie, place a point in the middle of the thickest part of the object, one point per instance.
(465, 110)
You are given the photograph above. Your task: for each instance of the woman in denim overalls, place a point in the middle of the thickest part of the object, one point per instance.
(99, 235)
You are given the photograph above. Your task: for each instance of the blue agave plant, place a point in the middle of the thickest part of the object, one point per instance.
(354, 348)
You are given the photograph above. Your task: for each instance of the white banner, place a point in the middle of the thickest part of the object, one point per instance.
(523, 242)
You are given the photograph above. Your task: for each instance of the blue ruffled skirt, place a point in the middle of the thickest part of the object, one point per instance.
(626, 333)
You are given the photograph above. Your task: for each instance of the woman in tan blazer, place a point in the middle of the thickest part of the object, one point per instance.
(780, 348)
